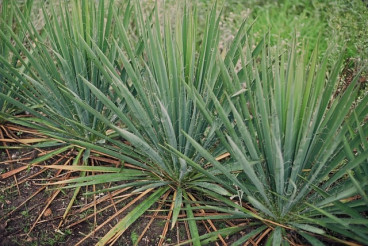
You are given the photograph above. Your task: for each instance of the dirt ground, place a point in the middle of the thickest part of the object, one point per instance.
(29, 217)
(31, 213)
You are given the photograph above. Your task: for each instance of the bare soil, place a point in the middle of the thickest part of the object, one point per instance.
(31, 212)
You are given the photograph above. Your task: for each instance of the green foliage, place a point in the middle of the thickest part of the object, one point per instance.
(293, 141)
(289, 18)
(348, 24)
(98, 76)
(159, 108)
(8, 19)
(55, 62)
(58, 60)
(88, 82)
(134, 237)
(338, 22)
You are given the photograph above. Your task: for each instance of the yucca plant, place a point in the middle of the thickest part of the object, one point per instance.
(8, 19)
(10, 24)
(300, 150)
(159, 108)
(56, 60)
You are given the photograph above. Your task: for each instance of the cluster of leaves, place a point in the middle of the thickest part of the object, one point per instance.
(163, 100)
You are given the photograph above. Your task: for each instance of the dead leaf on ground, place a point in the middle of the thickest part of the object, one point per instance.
(31, 239)
(48, 212)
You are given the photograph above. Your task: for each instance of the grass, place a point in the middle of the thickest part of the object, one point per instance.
(335, 23)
